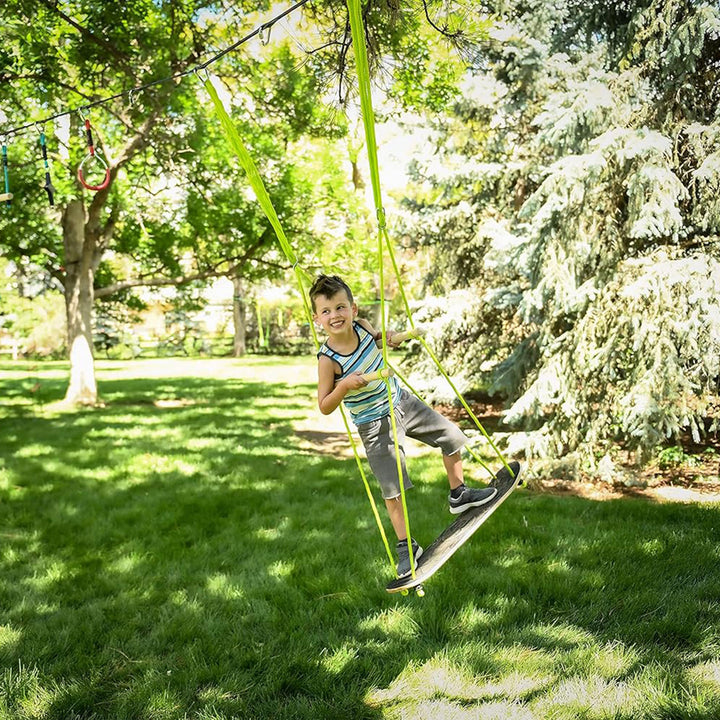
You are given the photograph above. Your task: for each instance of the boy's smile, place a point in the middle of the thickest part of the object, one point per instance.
(335, 314)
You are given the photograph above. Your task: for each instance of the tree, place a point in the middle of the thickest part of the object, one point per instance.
(157, 145)
(156, 141)
(577, 203)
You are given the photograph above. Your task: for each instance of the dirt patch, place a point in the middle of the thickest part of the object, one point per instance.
(603, 491)
(325, 443)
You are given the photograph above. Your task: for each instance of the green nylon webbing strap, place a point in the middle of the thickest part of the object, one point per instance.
(258, 187)
(363, 74)
(250, 168)
(438, 365)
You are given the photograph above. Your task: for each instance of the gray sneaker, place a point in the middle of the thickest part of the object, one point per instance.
(470, 498)
(403, 566)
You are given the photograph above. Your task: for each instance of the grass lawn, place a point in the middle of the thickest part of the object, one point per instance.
(178, 554)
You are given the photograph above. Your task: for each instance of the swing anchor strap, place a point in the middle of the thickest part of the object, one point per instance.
(49, 189)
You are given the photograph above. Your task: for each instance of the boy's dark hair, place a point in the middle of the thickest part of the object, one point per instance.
(327, 286)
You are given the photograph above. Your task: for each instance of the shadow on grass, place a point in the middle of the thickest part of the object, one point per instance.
(188, 560)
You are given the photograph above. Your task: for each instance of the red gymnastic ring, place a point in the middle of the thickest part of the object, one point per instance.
(82, 180)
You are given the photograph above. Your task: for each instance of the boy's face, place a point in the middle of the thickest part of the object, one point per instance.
(335, 314)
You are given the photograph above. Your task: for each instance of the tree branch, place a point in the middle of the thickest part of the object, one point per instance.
(342, 59)
(442, 30)
(182, 279)
(104, 44)
(133, 146)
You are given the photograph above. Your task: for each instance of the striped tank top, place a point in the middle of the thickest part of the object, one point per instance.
(370, 402)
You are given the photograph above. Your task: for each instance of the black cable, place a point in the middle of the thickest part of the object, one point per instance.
(86, 106)
(256, 31)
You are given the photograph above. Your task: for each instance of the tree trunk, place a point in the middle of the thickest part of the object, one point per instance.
(79, 276)
(239, 347)
(357, 178)
(355, 144)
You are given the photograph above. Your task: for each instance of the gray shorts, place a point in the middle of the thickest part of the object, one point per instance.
(413, 419)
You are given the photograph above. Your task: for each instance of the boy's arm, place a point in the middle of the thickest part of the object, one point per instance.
(330, 393)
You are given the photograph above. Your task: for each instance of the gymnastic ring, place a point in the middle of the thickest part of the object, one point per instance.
(82, 180)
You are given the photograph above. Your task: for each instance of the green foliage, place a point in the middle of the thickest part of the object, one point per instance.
(178, 207)
(577, 201)
(35, 316)
(641, 363)
(674, 456)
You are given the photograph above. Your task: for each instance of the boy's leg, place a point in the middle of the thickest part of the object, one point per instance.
(432, 428)
(462, 498)
(377, 437)
(454, 468)
(397, 517)
(379, 443)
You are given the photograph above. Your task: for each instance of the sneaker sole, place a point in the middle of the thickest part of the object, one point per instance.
(416, 557)
(467, 506)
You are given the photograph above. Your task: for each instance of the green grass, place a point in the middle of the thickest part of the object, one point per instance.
(176, 554)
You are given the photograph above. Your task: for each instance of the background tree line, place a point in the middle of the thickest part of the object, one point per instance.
(563, 214)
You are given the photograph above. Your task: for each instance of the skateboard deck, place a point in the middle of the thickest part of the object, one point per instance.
(458, 533)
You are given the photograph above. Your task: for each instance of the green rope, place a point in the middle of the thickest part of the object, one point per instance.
(258, 187)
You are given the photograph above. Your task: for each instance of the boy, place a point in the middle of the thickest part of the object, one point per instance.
(351, 349)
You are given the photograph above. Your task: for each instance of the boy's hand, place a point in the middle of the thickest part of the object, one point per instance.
(389, 334)
(354, 381)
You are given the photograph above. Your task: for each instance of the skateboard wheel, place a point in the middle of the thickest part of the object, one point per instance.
(420, 590)
(404, 592)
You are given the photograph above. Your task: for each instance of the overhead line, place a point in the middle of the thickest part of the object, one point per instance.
(132, 91)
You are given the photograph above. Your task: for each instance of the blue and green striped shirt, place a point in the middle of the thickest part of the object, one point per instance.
(370, 402)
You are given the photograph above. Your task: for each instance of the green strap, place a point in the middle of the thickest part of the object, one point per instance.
(250, 168)
(258, 187)
(363, 74)
(440, 368)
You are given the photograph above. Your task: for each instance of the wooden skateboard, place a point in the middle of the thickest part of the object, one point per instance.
(458, 533)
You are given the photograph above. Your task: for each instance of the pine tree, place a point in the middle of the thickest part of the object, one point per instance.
(577, 204)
